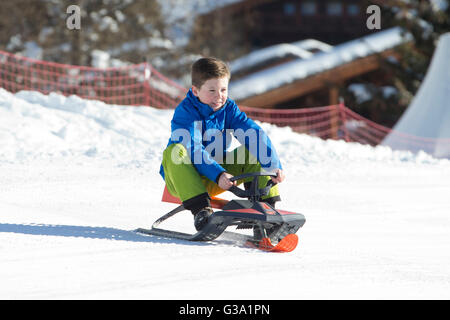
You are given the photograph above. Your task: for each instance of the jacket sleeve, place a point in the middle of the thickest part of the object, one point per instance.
(250, 134)
(187, 131)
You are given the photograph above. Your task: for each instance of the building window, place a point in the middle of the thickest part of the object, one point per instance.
(334, 8)
(353, 10)
(289, 9)
(308, 8)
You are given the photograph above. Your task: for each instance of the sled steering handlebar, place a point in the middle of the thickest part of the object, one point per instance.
(253, 193)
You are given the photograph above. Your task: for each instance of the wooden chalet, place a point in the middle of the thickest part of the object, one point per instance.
(317, 80)
(282, 21)
(322, 88)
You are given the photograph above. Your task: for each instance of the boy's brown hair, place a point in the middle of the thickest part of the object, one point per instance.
(208, 68)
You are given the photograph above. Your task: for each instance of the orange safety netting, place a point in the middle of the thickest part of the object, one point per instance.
(130, 85)
(339, 122)
(141, 84)
(331, 122)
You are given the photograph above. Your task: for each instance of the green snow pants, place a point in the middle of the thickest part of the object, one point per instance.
(185, 182)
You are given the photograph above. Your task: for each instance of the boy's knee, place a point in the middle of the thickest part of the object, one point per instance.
(176, 153)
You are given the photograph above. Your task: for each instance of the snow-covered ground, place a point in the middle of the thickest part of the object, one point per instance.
(78, 176)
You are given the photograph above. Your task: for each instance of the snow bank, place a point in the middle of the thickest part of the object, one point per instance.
(36, 126)
(33, 126)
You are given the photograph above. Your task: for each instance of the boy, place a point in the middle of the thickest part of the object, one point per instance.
(195, 163)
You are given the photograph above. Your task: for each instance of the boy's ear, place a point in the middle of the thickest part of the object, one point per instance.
(195, 91)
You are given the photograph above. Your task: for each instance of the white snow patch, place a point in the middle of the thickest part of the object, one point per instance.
(77, 176)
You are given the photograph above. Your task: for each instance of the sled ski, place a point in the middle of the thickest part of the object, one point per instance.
(277, 227)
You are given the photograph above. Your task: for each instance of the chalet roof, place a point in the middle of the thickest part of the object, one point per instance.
(280, 75)
(303, 49)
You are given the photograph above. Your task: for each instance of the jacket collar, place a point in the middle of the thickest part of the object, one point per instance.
(204, 109)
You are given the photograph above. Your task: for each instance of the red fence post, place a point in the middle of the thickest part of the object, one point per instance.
(344, 120)
(147, 75)
(334, 122)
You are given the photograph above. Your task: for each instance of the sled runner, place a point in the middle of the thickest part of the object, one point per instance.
(277, 228)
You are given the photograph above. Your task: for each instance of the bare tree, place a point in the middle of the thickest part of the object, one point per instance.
(129, 30)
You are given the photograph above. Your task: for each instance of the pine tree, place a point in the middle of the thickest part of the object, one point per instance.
(425, 21)
(20, 21)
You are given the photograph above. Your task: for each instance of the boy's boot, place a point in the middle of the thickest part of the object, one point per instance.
(201, 217)
(200, 207)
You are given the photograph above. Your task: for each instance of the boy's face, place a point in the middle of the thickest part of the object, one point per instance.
(214, 92)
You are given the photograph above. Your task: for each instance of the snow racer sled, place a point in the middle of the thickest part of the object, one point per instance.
(275, 228)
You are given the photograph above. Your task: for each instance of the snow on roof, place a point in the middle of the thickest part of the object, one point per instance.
(300, 49)
(313, 44)
(277, 76)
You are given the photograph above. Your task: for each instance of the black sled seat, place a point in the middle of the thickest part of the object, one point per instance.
(242, 213)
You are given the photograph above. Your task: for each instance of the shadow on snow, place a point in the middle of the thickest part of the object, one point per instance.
(90, 233)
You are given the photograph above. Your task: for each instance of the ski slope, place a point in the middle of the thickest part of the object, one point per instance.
(77, 176)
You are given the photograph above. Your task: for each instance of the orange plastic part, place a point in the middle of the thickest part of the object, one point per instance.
(217, 203)
(287, 244)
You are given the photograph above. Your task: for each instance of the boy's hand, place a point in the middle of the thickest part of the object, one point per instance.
(280, 176)
(224, 181)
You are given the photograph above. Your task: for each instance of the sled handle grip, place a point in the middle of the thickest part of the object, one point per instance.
(253, 174)
(253, 193)
(238, 191)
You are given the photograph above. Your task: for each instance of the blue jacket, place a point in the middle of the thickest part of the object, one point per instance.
(206, 135)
